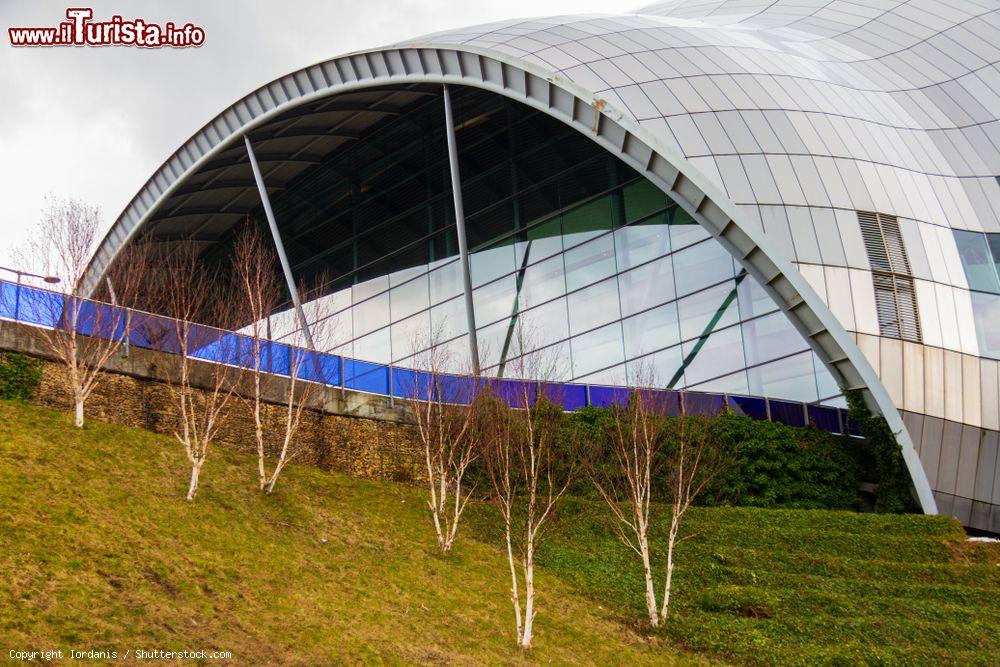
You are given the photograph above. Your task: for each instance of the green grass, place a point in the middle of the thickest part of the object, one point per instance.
(98, 550)
(802, 586)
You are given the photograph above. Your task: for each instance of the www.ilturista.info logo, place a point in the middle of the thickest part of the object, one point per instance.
(80, 30)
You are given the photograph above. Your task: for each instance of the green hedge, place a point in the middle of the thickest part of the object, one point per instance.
(19, 376)
(782, 466)
(895, 488)
(774, 465)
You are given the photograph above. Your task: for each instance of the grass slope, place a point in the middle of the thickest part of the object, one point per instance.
(100, 551)
(803, 586)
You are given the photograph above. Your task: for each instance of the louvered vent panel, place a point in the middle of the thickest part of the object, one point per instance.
(898, 260)
(872, 234)
(885, 305)
(895, 296)
(906, 305)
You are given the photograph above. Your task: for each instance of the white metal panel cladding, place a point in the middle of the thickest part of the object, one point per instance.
(796, 115)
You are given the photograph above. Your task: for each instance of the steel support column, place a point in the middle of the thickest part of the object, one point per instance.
(285, 267)
(463, 247)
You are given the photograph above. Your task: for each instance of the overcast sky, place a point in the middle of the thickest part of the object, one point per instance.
(95, 122)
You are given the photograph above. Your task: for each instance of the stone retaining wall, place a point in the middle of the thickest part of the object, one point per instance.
(355, 433)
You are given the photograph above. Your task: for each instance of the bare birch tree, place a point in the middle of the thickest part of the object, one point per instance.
(254, 264)
(255, 267)
(443, 407)
(202, 361)
(528, 475)
(649, 457)
(635, 434)
(298, 390)
(694, 459)
(82, 334)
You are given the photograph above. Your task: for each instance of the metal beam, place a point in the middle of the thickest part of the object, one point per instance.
(221, 209)
(463, 247)
(178, 237)
(237, 159)
(266, 202)
(227, 184)
(310, 131)
(335, 106)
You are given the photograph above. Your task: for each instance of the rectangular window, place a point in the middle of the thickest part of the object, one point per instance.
(977, 261)
(986, 313)
(993, 240)
(980, 254)
(895, 296)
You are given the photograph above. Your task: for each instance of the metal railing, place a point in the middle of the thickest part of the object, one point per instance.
(39, 307)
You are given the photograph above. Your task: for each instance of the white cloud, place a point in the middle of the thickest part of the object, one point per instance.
(95, 123)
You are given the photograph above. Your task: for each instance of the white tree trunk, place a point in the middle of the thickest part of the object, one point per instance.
(529, 597)
(647, 570)
(513, 588)
(79, 413)
(671, 541)
(193, 486)
(271, 483)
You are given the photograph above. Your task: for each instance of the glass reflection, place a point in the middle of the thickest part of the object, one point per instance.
(587, 221)
(651, 331)
(734, 383)
(543, 282)
(719, 353)
(791, 377)
(656, 369)
(641, 243)
(371, 314)
(825, 383)
(374, 346)
(573, 248)
(446, 281)
(545, 324)
(707, 311)
(770, 337)
(411, 335)
(684, 231)
(646, 286)
(977, 260)
(491, 263)
(642, 199)
(448, 319)
(701, 265)
(597, 349)
(590, 262)
(409, 298)
(494, 301)
(753, 300)
(986, 313)
(594, 306)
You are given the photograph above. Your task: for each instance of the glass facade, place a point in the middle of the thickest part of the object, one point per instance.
(980, 255)
(593, 266)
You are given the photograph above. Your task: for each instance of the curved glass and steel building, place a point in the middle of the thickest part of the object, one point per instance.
(785, 199)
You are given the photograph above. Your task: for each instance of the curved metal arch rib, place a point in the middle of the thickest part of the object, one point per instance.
(566, 101)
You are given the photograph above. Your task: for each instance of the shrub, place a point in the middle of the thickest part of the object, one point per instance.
(781, 466)
(774, 465)
(895, 487)
(19, 376)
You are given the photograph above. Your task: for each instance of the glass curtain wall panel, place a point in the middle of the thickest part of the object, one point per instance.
(578, 264)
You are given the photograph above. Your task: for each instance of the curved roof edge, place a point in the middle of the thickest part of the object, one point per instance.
(568, 102)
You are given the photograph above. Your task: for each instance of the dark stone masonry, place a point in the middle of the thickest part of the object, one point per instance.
(350, 432)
